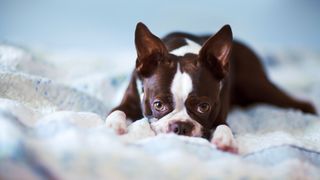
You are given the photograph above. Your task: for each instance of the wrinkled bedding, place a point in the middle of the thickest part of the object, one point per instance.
(52, 115)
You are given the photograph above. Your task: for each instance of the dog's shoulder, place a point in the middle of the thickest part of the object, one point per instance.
(175, 40)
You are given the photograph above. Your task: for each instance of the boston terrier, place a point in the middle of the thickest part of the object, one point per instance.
(187, 84)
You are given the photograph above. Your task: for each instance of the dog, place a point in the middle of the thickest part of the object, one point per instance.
(187, 84)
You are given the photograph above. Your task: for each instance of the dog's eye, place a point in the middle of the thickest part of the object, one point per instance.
(158, 105)
(203, 107)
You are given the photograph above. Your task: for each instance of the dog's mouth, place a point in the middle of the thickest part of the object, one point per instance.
(186, 128)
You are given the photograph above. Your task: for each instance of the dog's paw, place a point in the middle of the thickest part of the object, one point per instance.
(118, 122)
(224, 140)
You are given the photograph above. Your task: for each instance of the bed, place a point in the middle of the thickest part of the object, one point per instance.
(52, 112)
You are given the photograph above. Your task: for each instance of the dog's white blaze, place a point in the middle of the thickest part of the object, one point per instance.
(191, 47)
(180, 88)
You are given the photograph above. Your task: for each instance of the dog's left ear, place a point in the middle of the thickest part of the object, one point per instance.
(216, 51)
(150, 50)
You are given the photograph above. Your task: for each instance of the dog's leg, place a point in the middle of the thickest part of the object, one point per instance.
(224, 140)
(129, 108)
(251, 84)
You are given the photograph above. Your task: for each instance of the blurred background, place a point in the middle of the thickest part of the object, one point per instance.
(98, 35)
(106, 27)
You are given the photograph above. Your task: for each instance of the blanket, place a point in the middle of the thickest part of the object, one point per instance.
(52, 114)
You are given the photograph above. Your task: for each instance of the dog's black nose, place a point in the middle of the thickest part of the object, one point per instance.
(181, 128)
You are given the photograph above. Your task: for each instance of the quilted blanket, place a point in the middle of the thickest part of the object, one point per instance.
(52, 112)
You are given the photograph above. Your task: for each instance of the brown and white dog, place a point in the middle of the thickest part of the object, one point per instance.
(189, 83)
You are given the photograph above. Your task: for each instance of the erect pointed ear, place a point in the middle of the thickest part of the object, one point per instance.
(216, 51)
(150, 50)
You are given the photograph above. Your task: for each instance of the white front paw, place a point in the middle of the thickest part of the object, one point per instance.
(118, 122)
(224, 140)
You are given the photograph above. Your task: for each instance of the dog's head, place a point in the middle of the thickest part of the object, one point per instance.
(181, 88)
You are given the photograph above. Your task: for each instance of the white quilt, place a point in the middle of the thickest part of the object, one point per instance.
(52, 126)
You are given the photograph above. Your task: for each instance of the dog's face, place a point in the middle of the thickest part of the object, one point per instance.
(181, 88)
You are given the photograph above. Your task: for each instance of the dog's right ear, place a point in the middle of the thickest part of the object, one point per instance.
(150, 50)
